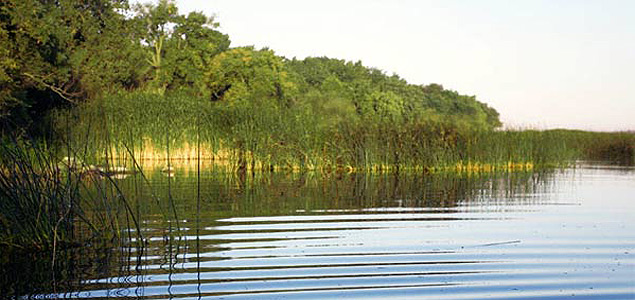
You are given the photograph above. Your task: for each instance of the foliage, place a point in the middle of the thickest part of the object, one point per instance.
(178, 48)
(377, 96)
(55, 52)
(108, 74)
(244, 73)
(59, 53)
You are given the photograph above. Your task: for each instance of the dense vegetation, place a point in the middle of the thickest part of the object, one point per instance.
(106, 74)
(57, 53)
(109, 80)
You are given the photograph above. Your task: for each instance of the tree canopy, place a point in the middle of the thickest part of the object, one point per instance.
(377, 96)
(59, 53)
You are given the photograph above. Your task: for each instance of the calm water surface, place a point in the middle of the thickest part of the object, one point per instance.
(555, 235)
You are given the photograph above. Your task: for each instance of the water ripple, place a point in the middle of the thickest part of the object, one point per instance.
(569, 245)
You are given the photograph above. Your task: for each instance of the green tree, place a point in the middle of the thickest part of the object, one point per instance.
(157, 22)
(50, 51)
(247, 74)
(382, 106)
(192, 46)
(178, 48)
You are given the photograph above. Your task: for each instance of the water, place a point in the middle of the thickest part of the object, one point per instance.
(551, 235)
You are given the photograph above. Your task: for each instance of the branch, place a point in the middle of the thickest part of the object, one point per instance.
(65, 95)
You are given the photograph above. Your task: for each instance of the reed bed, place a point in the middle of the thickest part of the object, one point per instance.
(47, 202)
(265, 135)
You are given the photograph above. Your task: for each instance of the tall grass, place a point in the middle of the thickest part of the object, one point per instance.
(45, 202)
(268, 135)
(616, 147)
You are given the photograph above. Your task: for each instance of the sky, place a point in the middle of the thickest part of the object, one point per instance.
(541, 64)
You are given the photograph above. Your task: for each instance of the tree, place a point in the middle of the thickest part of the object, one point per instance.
(179, 47)
(192, 46)
(247, 74)
(382, 106)
(157, 23)
(49, 51)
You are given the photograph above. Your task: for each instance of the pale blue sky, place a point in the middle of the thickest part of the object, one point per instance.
(541, 64)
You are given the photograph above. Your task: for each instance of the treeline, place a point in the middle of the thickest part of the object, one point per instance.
(335, 86)
(62, 53)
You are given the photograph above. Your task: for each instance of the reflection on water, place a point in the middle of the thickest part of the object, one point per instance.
(564, 234)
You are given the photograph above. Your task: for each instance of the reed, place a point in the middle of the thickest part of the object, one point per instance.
(263, 134)
(617, 147)
(46, 202)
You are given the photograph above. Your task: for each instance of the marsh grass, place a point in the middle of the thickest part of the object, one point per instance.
(617, 147)
(46, 202)
(264, 135)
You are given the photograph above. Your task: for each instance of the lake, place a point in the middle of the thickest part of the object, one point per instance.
(560, 234)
